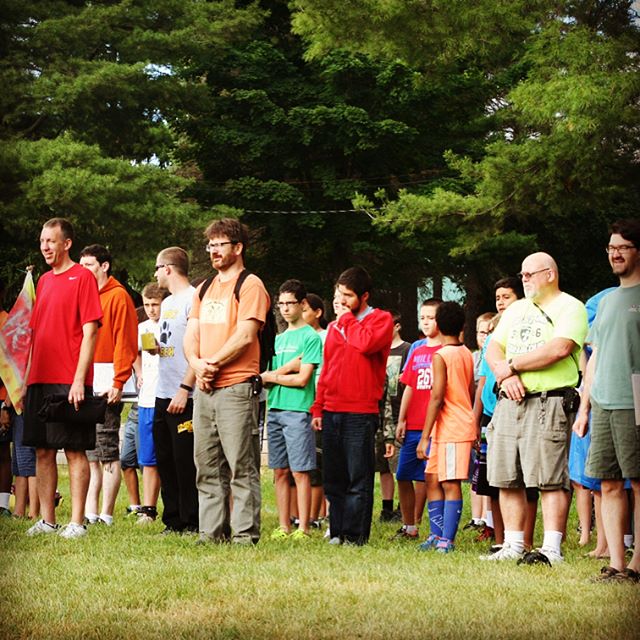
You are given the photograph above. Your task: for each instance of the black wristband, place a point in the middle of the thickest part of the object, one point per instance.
(186, 387)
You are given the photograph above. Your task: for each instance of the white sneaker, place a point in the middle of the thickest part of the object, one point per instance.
(41, 527)
(335, 541)
(506, 553)
(73, 530)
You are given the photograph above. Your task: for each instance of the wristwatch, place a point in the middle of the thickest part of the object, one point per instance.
(512, 368)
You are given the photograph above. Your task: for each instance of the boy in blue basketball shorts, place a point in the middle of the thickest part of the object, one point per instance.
(413, 409)
(291, 439)
(147, 371)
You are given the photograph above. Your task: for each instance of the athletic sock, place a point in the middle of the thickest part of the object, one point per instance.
(515, 539)
(452, 512)
(436, 517)
(488, 520)
(105, 518)
(552, 541)
(410, 528)
(628, 540)
(91, 517)
(4, 500)
(387, 505)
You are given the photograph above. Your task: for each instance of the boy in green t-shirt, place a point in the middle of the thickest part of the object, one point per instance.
(298, 351)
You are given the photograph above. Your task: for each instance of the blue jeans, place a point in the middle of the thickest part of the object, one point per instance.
(348, 444)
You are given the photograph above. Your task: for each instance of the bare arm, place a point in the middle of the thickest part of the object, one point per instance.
(401, 429)
(203, 371)
(293, 366)
(581, 424)
(544, 356)
(511, 383)
(85, 360)
(179, 401)
(299, 379)
(477, 403)
(245, 334)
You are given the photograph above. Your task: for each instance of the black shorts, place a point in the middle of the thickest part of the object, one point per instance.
(54, 435)
(479, 482)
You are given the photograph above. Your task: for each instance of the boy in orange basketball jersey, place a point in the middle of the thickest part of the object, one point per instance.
(449, 420)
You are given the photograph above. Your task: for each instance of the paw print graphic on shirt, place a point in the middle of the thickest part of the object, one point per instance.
(165, 334)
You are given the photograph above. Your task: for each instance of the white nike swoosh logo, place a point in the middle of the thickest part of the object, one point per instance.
(73, 277)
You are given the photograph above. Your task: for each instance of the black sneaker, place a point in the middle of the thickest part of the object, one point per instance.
(547, 557)
(167, 531)
(386, 515)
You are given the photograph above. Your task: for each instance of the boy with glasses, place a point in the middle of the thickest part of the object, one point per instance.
(292, 445)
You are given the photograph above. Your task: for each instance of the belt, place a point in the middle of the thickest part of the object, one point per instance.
(548, 394)
(557, 393)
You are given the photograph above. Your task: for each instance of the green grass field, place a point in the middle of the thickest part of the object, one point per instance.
(129, 582)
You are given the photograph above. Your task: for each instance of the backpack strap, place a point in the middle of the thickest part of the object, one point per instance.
(236, 290)
(244, 274)
(205, 285)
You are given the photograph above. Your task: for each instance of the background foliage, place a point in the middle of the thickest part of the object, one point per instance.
(466, 136)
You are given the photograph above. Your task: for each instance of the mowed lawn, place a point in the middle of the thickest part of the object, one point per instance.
(130, 582)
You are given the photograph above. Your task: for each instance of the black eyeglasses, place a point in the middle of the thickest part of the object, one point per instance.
(288, 303)
(621, 249)
(160, 266)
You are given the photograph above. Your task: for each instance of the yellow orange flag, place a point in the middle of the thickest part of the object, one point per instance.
(15, 342)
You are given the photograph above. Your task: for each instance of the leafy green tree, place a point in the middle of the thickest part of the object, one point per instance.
(280, 133)
(86, 128)
(562, 157)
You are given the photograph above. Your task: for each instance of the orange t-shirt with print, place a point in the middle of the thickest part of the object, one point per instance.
(219, 313)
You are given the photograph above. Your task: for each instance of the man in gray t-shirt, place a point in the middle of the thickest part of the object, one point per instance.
(172, 426)
(614, 453)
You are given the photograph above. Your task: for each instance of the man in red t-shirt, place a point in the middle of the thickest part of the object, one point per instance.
(65, 322)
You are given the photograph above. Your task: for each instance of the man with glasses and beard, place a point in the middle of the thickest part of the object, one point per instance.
(223, 348)
(614, 453)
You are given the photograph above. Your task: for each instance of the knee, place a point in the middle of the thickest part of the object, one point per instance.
(612, 488)
(281, 474)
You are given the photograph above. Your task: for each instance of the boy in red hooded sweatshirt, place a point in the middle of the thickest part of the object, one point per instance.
(346, 409)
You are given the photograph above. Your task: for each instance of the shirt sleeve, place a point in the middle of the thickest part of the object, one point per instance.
(407, 377)
(89, 300)
(312, 349)
(254, 301)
